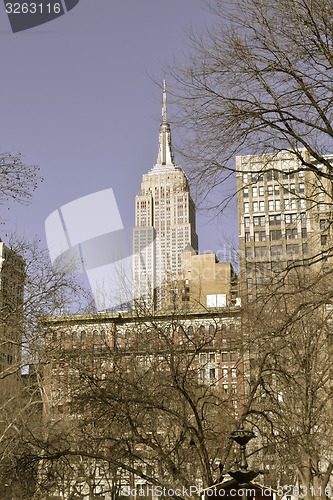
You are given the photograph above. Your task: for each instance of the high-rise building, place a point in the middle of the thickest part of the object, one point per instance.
(11, 314)
(164, 222)
(284, 213)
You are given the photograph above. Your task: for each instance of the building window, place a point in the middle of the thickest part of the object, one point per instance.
(83, 340)
(323, 239)
(260, 251)
(254, 191)
(292, 249)
(246, 207)
(259, 221)
(247, 221)
(290, 218)
(272, 175)
(291, 234)
(224, 357)
(246, 192)
(190, 333)
(202, 358)
(323, 223)
(74, 340)
(247, 237)
(261, 206)
(234, 372)
(255, 206)
(276, 250)
(275, 234)
(212, 330)
(275, 220)
(95, 340)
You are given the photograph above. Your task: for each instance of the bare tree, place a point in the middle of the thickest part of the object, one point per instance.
(258, 81)
(138, 398)
(17, 179)
(30, 288)
(290, 393)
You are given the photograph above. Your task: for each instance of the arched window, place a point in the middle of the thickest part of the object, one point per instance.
(103, 340)
(127, 340)
(83, 339)
(202, 333)
(95, 340)
(74, 340)
(139, 343)
(190, 333)
(181, 335)
(148, 339)
(212, 330)
(119, 340)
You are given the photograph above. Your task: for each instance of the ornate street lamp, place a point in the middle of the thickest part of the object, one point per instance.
(242, 475)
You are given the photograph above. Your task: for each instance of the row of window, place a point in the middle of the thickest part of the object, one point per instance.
(276, 234)
(275, 250)
(270, 175)
(212, 372)
(275, 220)
(274, 205)
(226, 357)
(272, 189)
(128, 339)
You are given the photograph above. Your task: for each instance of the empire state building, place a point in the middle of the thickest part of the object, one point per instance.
(164, 222)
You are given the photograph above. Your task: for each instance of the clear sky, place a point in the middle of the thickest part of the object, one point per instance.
(78, 99)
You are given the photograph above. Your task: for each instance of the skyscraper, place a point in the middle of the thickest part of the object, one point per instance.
(164, 221)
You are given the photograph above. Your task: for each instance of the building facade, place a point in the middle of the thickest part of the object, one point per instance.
(205, 283)
(11, 311)
(284, 219)
(94, 364)
(164, 221)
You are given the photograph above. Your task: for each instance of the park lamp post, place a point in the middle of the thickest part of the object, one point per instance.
(240, 486)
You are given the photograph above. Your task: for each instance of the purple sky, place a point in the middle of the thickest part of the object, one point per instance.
(77, 99)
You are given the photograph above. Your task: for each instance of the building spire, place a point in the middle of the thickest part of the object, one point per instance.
(165, 156)
(164, 108)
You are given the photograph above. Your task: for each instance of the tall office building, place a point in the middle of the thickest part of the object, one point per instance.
(284, 214)
(164, 222)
